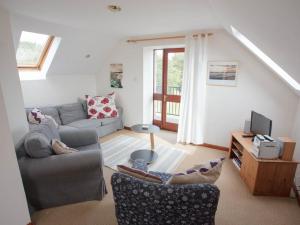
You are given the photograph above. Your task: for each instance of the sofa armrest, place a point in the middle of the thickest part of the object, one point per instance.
(61, 165)
(120, 111)
(63, 179)
(77, 137)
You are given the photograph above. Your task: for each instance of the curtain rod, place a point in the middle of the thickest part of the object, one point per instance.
(165, 38)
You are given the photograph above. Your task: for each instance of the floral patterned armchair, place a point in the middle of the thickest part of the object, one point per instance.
(139, 202)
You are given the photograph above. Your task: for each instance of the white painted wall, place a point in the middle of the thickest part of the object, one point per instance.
(9, 80)
(13, 206)
(131, 97)
(296, 137)
(227, 107)
(57, 90)
(258, 89)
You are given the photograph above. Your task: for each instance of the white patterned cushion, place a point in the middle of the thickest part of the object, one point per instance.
(203, 173)
(35, 116)
(61, 148)
(100, 107)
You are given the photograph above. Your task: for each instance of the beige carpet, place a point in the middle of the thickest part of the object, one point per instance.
(236, 206)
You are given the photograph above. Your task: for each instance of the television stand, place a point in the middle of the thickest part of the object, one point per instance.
(272, 177)
(248, 135)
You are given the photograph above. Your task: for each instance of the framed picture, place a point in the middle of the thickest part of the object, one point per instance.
(222, 73)
(116, 75)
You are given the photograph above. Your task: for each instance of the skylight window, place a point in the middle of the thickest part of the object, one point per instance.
(266, 59)
(33, 49)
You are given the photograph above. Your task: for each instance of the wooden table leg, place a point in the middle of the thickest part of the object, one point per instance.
(152, 141)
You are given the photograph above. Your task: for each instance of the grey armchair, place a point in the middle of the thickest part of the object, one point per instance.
(63, 179)
(142, 202)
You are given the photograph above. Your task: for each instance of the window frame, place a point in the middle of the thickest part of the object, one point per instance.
(42, 58)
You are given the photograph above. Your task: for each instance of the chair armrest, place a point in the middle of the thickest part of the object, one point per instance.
(78, 137)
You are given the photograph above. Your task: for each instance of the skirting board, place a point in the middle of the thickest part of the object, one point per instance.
(216, 147)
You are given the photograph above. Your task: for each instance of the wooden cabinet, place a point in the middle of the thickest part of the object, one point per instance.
(262, 176)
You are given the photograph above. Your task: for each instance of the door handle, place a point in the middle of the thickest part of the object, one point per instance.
(165, 98)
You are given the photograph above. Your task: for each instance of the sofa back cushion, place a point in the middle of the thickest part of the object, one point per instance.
(37, 145)
(71, 112)
(50, 111)
(47, 128)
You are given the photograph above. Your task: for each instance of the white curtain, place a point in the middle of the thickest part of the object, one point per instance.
(193, 95)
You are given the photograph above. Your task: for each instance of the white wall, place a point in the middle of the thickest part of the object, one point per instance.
(9, 80)
(296, 137)
(57, 90)
(13, 206)
(258, 89)
(227, 107)
(272, 25)
(131, 95)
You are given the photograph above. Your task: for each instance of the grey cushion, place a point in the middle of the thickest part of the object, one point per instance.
(37, 145)
(84, 104)
(71, 112)
(86, 123)
(107, 121)
(47, 128)
(50, 111)
(74, 137)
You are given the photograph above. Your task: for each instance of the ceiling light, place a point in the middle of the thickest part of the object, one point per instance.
(114, 8)
(266, 59)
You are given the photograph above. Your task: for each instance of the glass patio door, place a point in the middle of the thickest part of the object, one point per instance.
(168, 69)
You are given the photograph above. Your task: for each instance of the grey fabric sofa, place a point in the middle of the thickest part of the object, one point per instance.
(54, 180)
(74, 116)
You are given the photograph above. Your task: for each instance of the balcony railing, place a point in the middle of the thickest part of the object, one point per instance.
(173, 108)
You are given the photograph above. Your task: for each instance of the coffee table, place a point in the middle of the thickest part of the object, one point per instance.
(149, 155)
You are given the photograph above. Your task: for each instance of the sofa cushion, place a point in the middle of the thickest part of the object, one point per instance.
(100, 107)
(37, 145)
(199, 174)
(71, 112)
(107, 121)
(89, 147)
(50, 111)
(61, 148)
(35, 116)
(47, 128)
(86, 123)
(139, 174)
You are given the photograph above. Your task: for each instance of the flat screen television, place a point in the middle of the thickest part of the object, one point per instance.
(260, 124)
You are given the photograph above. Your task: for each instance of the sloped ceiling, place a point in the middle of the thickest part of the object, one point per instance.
(87, 27)
(272, 25)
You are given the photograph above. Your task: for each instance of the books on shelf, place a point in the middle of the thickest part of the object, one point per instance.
(237, 162)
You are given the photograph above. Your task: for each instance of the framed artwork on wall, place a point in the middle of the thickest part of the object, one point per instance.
(116, 75)
(223, 73)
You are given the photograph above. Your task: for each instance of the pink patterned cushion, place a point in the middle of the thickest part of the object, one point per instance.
(100, 107)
